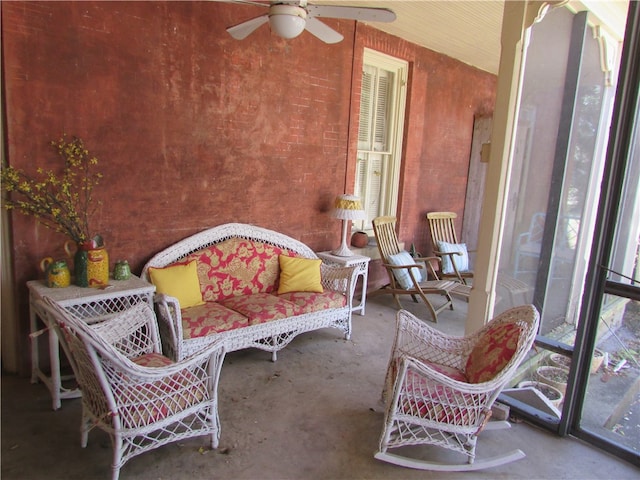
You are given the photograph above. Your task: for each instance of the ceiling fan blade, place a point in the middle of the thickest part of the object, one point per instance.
(366, 14)
(323, 31)
(244, 29)
(251, 2)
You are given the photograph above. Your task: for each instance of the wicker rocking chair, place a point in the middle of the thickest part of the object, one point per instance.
(406, 274)
(439, 389)
(140, 398)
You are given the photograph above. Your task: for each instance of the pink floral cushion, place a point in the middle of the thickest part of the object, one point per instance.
(153, 360)
(146, 403)
(237, 267)
(210, 318)
(262, 307)
(492, 352)
(434, 401)
(451, 372)
(314, 302)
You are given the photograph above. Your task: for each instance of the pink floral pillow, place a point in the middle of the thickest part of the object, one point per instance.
(492, 352)
(235, 267)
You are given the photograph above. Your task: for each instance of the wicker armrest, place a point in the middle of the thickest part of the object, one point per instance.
(198, 363)
(338, 278)
(170, 324)
(171, 303)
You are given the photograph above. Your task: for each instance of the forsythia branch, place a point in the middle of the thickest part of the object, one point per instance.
(62, 202)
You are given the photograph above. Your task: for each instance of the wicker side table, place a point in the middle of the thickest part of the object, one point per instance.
(89, 303)
(362, 264)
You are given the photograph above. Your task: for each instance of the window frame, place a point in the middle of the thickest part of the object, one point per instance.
(390, 182)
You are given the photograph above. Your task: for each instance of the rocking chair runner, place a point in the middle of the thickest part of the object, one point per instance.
(454, 255)
(406, 274)
(140, 398)
(439, 389)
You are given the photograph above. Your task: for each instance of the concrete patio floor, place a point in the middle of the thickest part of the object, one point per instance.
(314, 414)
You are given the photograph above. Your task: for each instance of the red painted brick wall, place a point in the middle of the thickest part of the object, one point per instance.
(193, 128)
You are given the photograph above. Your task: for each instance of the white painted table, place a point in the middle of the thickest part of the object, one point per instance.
(362, 264)
(91, 304)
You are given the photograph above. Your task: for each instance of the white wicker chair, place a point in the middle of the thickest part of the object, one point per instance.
(140, 398)
(429, 401)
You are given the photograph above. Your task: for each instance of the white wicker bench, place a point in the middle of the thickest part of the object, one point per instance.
(216, 271)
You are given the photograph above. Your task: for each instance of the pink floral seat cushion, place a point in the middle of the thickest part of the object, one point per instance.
(314, 302)
(493, 350)
(146, 403)
(450, 372)
(237, 267)
(262, 307)
(210, 318)
(434, 401)
(153, 360)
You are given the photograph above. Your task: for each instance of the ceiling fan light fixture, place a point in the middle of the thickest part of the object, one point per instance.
(289, 18)
(287, 21)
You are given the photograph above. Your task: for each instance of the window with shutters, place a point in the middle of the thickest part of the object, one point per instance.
(382, 105)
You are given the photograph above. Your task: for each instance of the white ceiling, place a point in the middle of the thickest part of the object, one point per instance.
(469, 30)
(466, 30)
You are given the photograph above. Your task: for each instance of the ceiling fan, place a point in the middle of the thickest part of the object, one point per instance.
(288, 19)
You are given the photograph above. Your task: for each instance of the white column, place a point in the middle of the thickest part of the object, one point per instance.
(517, 18)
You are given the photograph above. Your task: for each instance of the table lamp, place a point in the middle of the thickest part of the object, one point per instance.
(347, 207)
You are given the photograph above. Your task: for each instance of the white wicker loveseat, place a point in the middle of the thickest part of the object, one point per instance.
(239, 277)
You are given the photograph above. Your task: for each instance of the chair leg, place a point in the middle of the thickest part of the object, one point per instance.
(115, 473)
(117, 456)
(215, 435)
(397, 299)
(450, 300)
(84, 429)
(434, 313)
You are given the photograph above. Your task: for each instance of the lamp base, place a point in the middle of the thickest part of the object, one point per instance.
(343, 251)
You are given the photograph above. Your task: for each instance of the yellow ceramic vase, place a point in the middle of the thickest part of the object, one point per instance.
(90, 264)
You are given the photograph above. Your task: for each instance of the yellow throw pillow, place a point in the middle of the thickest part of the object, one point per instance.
(179, 281)
(299, 275)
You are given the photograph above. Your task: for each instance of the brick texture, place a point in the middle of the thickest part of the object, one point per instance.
(193, 128)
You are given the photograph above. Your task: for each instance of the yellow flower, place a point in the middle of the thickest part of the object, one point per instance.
(62, 202)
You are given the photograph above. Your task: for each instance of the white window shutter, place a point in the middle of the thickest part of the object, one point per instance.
(381, 122)
(366, 108)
